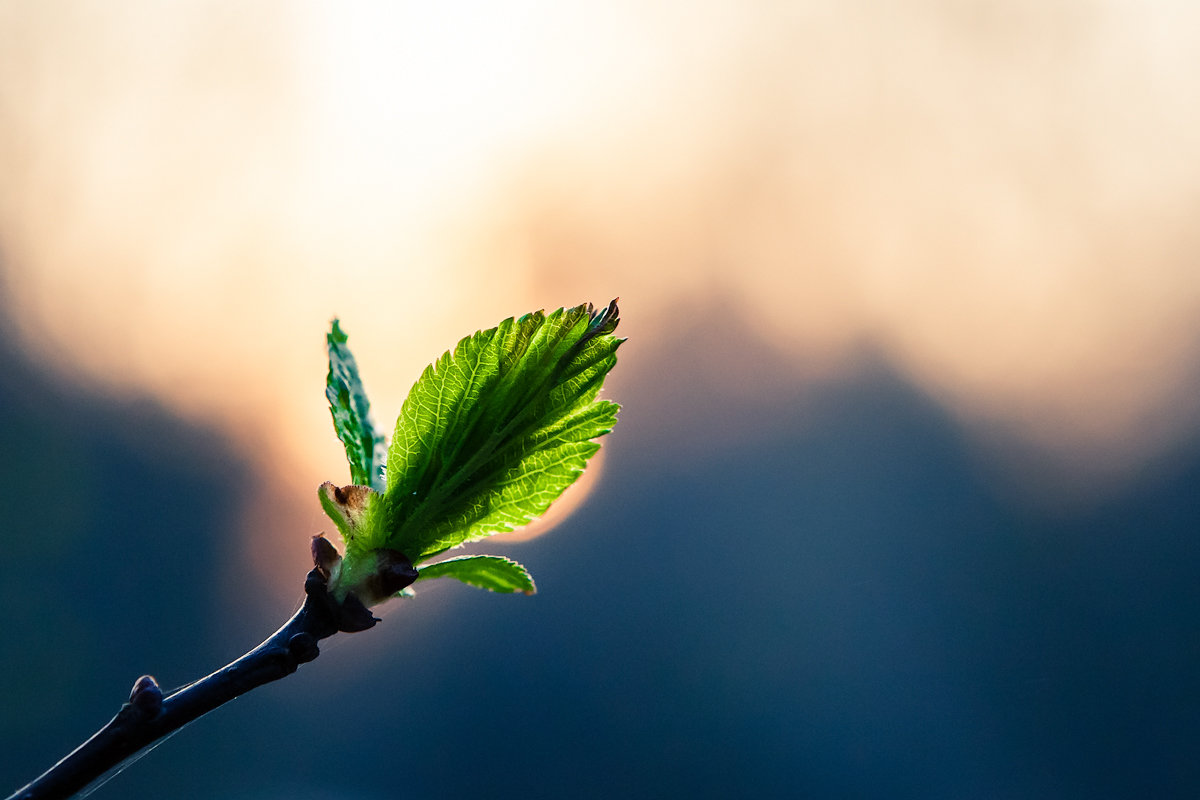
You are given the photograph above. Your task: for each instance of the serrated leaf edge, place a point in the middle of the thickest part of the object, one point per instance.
(508, 562)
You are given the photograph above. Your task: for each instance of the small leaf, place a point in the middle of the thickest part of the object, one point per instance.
(354, 509)
(495, 430)
(494, 573)
(365, 447)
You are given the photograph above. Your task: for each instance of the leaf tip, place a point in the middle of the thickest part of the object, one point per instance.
(336, 335)
(605, 321)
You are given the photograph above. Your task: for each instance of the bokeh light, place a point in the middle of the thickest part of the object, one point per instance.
(999, 201)
(990, 204)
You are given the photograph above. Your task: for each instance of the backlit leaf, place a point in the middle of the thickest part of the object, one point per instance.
(496, 429)
(365, 447)
(494, 573)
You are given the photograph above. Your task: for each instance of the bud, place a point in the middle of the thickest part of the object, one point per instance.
(393, 572)
(146, 696)
(325, 556)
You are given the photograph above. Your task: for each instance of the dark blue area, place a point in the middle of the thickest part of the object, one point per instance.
(842, 609)
(114, 515)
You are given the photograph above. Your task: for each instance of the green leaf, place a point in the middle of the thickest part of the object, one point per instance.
(494, 573)
(351, 412)
(496, 429)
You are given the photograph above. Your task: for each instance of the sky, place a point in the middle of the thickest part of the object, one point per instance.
(988, 204)
(993, 197)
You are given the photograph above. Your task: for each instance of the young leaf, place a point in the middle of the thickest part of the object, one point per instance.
(352, 413)
(495, 430)
(354, 509)
(494, 573)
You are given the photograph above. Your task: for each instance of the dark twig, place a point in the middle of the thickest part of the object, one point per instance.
(149, 715)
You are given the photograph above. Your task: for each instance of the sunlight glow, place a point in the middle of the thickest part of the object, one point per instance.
(998, 199)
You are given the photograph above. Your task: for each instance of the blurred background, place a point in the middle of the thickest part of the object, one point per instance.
(905, 495)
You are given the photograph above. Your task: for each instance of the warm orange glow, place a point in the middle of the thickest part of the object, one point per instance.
(999, 198)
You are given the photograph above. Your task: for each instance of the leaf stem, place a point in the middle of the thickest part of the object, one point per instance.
(149, 715)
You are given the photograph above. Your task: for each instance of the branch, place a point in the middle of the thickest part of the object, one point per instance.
(149, 716)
